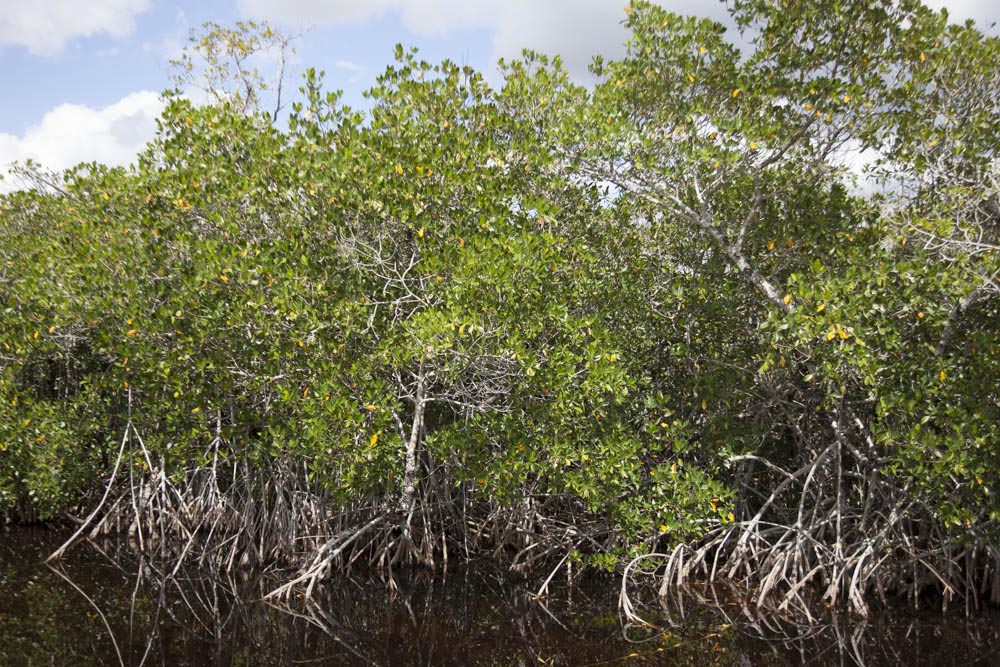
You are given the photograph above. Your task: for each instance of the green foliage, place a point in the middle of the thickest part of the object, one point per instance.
(623, 298)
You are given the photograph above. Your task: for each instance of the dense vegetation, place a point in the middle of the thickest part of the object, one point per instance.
(549, 322)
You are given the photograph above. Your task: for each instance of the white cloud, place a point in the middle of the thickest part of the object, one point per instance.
(73, 133)
(353, 69)
(45, 27)
(348, 65)
(959, 11)
(574, 29)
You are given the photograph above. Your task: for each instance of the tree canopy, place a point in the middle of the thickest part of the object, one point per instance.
(655, 315)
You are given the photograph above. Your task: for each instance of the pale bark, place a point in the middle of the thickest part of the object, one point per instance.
(406, 500)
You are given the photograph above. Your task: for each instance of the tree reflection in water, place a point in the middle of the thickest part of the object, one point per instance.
(102, 606)
(781, 636)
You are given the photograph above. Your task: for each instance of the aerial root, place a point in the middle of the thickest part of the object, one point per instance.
(789, 570)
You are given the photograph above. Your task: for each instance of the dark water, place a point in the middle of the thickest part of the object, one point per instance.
(107, 608)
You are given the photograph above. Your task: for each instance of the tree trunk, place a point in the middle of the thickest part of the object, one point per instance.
(406, 500)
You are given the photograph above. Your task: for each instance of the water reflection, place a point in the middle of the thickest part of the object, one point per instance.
(778, 637)
(102, 606)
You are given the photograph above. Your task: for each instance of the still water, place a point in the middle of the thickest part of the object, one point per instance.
(105, 607)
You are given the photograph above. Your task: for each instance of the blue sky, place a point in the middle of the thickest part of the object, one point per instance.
(81, 78)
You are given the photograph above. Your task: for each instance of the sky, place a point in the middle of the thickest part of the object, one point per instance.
(82, 78)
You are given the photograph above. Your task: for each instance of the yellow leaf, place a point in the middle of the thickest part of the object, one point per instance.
(27, 421)
(612, 357)
(770, 244)
(820, 308)
(922, 57)
(420, 233)
(731, 516)
(131, 332)
(789, 243)
(52, 329)
(373, 439)
(704, 404)
(831, 335)
(736, 93)
(787, 299)
(943, 376)
(844, 335)
(36, 335)
(371, 406)
(663, 529)
(399, 170)
(223, 277)
(691, 78)
(196, 411)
